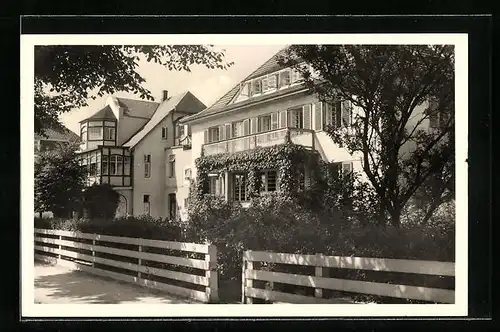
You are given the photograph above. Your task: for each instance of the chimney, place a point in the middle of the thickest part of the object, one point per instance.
(164, 95)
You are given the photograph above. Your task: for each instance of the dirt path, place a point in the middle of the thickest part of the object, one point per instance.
(55, 284)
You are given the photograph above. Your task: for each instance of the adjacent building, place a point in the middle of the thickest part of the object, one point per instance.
(53, 138)
(124, 144)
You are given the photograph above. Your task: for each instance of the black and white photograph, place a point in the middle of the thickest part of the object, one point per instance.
(326, 172)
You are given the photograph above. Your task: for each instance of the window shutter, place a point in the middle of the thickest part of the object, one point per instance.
(265, 85)
(317, 116)
(246, 126)
(338, 114)
(307, 116)
(346, 113)
(205, 136)
(282, 119)
(253, 127)
(222, 132)
(274, 121)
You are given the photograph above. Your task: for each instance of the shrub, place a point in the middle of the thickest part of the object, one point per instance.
(139, 227)
(100, 201)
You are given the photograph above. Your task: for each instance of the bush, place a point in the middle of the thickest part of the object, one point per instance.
(139, 227)
(100, 201)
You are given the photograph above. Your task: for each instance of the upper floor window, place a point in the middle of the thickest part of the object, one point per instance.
(213, 134)
(338, 114)
(95, 133)
(180, 131)
(437, 118)
(109, 134)
(164, 132)
(147, 165)
(338, 169)
(264, 123)
(171, 166)
(187, 174)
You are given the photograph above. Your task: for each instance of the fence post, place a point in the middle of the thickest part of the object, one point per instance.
(93, 250)
(60, 247)
(319, 272)
(249, 282)
(211, 274)
(243, 268)
(139, 274)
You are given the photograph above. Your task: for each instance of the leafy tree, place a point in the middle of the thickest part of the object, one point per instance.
(100, 201)
(390, 85)
(59, 181)
(67, 76)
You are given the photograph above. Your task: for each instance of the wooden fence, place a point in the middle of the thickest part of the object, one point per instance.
(252, 260)
(100, 255)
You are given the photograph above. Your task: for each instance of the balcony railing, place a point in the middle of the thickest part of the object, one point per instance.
(298, 136)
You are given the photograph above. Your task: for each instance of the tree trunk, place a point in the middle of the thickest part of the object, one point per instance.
(381, 220)
(396, 217)
(428, 214)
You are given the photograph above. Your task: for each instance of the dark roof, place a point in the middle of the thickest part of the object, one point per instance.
(222, 104)
(105, 113)
(58, 134)
(138, 108)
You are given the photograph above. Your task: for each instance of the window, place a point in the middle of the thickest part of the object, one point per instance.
(238, 129)
(95, 133)
(216, 184)
(164, 132)
(338, 114)
(296, 76)
(171, 166)
(256, 86)
(264, 123)
(187, 174)
(268, 181)
(284, 78)
(296, 118)
(339, 169)
(116, 165)
(437, 118)
(147, 165)
(346, 168)
(92, 166)
(240, 187)
(109, 134)
(265, 85)
(213, 134)
(180, 130)
(186, 203)
(105, 165)
(147, 206)
(272, 81)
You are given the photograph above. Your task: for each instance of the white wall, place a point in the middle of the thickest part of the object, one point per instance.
(329, 150)
(177, 184)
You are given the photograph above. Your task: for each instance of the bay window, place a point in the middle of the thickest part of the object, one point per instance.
(95, 133)
(105, 165)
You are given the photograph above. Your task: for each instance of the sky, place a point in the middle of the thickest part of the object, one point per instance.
(208, 85)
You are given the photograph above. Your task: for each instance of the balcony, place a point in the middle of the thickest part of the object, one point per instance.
(304, 137)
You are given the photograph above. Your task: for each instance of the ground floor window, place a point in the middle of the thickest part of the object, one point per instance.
(216, 184)
(240, 191)
(268, 181)
(147, 207)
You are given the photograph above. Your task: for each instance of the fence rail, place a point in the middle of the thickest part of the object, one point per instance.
(65, 248)
(320, 280)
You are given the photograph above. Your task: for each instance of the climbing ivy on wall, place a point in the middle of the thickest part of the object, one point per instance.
(287, 158)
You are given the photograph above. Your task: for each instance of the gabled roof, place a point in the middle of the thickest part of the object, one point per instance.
(161, 112)
(223, 103)
(54, 134)
(138, 108)
(105, 113)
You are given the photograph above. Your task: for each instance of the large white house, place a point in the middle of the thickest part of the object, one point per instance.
(124, 144)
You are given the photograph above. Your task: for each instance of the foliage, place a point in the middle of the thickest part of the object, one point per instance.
(59, 181)
(286, 158)
(66, 76)
(389, 84)
(279, 223)
(139, 227)
(100, 201)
